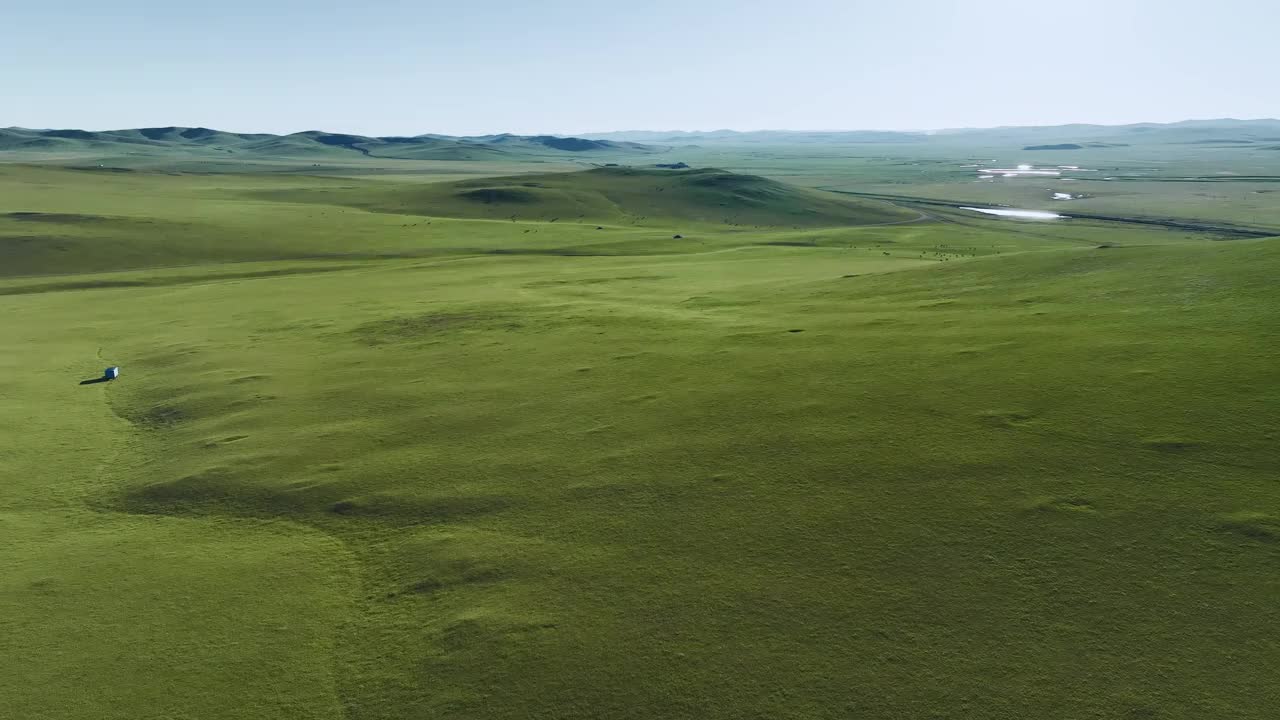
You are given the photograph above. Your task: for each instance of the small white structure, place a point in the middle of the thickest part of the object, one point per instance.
(111, 373)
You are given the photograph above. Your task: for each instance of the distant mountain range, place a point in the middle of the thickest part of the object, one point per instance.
(198, 146)
(1225, 131)
(198, 141)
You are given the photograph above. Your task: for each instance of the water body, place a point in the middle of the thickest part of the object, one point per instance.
(1006, 172)
(1032, 171)
(1024, 214)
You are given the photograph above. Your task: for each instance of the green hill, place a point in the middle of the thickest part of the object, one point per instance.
(196, 143)
(622, 196)
(60, 221)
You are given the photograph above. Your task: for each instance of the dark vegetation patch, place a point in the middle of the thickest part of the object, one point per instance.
(340, 140)
(100, 168)
(214, 491)
(1252, 525)
(457, 573)
(71, 285)
(156, 133)
(160, 281)
(1007, 418)
(595, 281)
(53, 217)
(499, 195)
(211, 484)
(71, 134)
(159, 417)
(409, 328)
(570, 144)
(437, 509)
(1170, 445)
(198, 133)
(1067, 504)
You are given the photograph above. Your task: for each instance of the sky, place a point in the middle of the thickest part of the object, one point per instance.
(382, 67)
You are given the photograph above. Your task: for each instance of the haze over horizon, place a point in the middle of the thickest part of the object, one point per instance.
(577, 67)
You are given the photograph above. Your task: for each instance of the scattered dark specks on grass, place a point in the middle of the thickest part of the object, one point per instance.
(1170, 445)
(1253, 525)
(1007, 418)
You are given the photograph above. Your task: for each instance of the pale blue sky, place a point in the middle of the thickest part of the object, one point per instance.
(567, 66)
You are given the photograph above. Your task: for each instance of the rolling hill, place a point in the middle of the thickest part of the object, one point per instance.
(186, 142)
(72, 220)
(614, 195)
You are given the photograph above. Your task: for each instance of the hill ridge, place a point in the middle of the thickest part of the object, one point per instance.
(198, 141)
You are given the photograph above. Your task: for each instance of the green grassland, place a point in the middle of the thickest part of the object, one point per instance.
(381, 451)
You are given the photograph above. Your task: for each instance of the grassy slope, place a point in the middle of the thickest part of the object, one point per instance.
(95, 600)
(623, 196)
(62, 221)
(976, 485)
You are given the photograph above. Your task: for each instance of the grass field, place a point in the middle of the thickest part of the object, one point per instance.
(379, 451)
